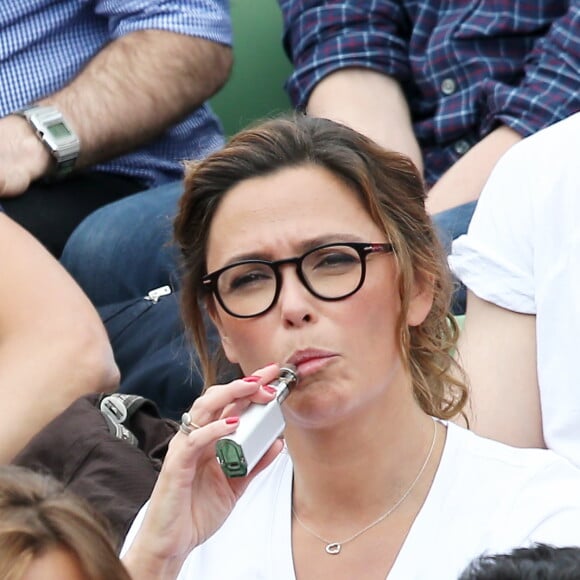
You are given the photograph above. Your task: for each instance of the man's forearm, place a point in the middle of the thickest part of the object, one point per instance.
(464, 181)
(371, 103)
(136, 87)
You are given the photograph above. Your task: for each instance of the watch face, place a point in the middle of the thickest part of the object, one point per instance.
(58, 130)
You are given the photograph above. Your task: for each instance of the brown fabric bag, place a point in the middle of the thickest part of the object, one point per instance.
(110, 460)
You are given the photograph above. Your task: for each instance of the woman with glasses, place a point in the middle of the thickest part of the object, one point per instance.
(309, 245)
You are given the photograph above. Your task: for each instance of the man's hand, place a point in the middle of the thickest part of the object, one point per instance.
(23, 157)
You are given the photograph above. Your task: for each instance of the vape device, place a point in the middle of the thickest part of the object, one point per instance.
(259, 427)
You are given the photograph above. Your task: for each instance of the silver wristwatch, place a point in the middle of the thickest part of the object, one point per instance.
(51, 128)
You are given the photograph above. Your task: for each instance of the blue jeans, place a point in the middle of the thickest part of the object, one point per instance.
(451, 224)
(118, 254)
(124, 249)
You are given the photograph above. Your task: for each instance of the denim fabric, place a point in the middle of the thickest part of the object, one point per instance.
(51, 211)
(451, 224)
(124, 250)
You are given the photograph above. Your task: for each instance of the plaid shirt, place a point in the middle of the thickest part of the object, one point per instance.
(44, 44)
(465, 68)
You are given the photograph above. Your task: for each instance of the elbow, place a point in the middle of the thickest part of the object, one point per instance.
(104, 372)
(101, 371)
(95, 369)
(221, 60)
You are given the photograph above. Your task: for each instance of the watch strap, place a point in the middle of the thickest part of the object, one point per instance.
(55, 134)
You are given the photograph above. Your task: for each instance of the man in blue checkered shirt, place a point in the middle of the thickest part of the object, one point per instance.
(452, 84)
(128, 78)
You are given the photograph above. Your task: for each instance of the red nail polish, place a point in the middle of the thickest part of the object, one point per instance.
(269, 389)
(232, 420)
(251, 379)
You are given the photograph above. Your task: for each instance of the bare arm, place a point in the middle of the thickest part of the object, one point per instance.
(371, 103)
(53, 347)
(129, 93)
(375, 105)
(497, 348)
(464, 181)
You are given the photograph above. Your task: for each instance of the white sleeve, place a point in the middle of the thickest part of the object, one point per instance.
(495, 258)
(132, 533)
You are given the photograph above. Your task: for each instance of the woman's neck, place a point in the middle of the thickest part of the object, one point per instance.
(365, 464)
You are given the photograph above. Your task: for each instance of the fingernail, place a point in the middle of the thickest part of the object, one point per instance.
(269, 389)
(251, 379)
(232, 420)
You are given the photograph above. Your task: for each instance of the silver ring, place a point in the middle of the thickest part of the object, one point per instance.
(187, 425)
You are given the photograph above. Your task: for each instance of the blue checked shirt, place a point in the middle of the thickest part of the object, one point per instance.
(466, 66)
(44, 44)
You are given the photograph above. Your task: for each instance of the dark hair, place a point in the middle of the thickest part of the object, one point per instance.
(393, 193)
(37, 515)
(537, 562)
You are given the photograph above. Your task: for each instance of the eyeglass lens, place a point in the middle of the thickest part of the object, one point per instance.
(330, 272)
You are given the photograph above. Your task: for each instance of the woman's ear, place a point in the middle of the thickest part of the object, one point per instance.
(214, 314)
(421, 300)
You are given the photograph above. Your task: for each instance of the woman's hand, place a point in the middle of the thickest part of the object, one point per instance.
(192, 497)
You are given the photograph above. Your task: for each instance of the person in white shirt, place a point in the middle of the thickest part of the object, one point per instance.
(310, 245)
(520, 261)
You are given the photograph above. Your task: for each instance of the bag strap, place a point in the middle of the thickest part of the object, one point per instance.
(117, 409)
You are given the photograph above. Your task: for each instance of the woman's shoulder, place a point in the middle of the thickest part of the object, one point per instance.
(534, 494)
(490, 497)
(512, 479)
(500, 476)
(475, 449)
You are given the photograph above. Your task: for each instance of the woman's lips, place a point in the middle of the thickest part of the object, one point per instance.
(308, 363)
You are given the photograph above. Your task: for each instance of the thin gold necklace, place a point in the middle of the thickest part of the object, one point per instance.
(334, 548)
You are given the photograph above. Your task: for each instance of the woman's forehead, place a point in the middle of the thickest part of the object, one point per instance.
(285, 209)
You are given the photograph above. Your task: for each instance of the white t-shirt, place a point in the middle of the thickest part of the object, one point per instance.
(486, 496)
(522, 252)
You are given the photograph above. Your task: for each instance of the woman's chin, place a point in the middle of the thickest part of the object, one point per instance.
(315, 408)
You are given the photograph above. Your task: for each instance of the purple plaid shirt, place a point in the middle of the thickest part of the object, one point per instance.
(465, 68)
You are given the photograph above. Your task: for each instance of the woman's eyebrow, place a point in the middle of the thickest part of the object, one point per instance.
(302, 247)
(330, 239)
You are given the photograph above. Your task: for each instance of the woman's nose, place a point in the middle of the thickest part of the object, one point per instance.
(296, 303)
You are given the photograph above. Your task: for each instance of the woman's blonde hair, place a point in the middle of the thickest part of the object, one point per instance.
(394, 195)
(38, 515)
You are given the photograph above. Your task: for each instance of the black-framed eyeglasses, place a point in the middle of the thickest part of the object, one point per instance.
(329, 272)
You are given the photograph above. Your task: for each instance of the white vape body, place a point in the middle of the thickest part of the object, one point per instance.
(259, 427)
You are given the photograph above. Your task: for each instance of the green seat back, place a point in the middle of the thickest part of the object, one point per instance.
(255, 88)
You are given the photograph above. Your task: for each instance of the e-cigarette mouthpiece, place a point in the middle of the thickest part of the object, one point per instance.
(259, 427)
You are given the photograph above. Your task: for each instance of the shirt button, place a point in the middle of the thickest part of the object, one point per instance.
(448, 86)
(461, 147)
